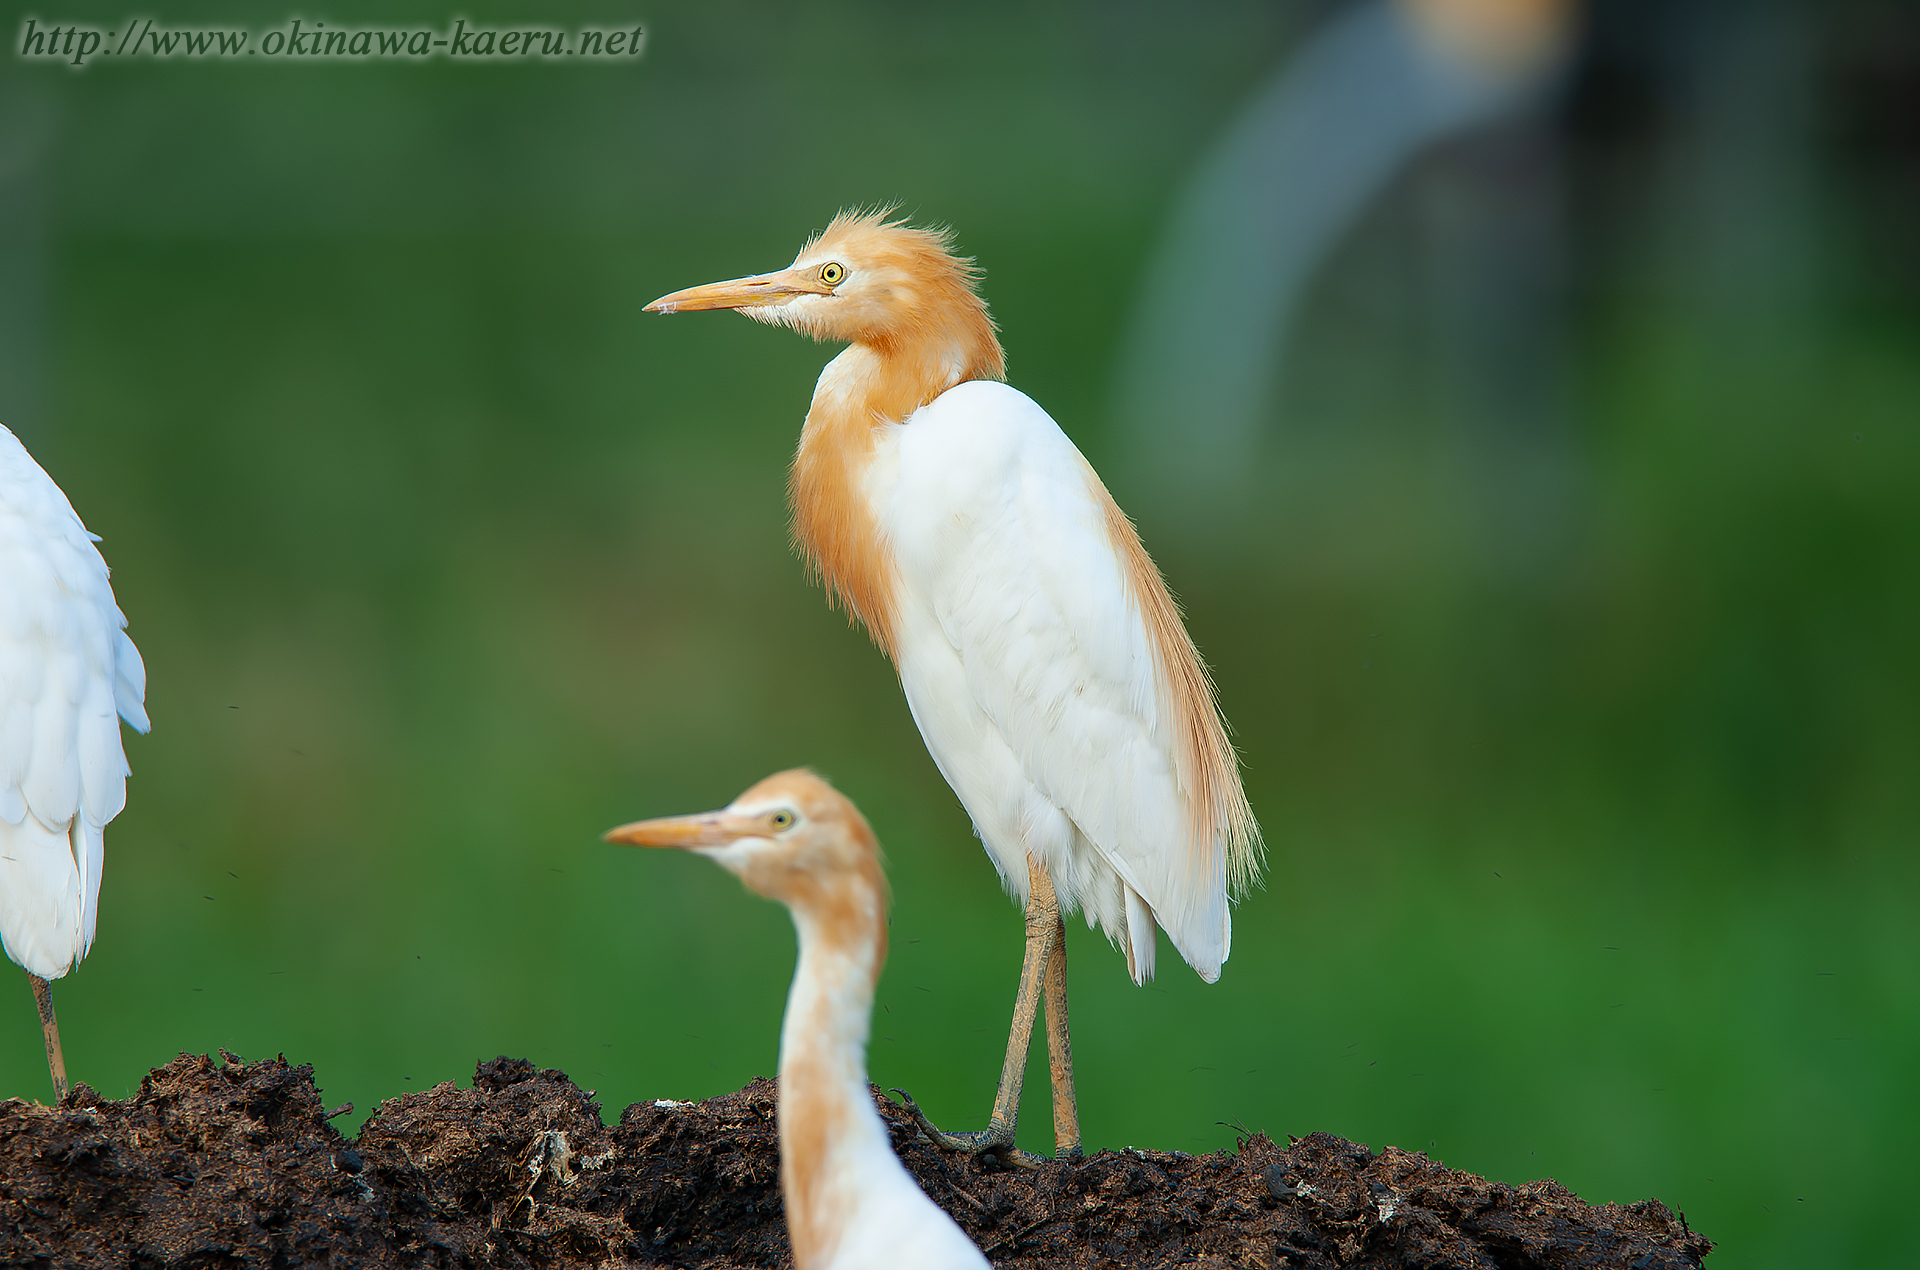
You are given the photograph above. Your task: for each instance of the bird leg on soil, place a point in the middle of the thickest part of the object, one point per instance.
(1043, 973)
(50, 1028)
(1066, 1108)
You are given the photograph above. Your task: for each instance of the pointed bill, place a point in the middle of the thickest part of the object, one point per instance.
(743, 293)
(709, 829)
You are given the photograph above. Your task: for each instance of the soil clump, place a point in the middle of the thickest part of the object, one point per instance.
(235, 1163)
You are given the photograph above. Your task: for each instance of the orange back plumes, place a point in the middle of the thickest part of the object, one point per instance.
(1204, 762)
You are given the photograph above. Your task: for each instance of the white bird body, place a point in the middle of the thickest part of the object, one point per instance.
(68, 674)
(1031, 673)
(850, 1203)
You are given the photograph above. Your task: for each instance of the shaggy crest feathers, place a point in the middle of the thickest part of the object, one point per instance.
(909, 289)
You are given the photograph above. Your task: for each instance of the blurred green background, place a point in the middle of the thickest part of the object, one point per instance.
(1592, 828)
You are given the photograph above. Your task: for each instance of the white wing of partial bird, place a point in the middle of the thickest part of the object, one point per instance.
(996, 525)
(68, 674)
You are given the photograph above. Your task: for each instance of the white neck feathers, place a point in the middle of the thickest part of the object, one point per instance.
(832, 1141)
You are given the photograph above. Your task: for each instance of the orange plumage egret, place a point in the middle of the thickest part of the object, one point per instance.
(850, 1204)
(1041, 653)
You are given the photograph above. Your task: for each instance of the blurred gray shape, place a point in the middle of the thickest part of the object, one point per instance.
(1373, 87)
(1745, 241)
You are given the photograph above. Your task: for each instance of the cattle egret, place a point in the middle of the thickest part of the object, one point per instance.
(1040, 652)
(849, 1202)
(68, 675)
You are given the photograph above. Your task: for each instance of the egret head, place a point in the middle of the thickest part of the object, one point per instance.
(792, 838)
(864, 279)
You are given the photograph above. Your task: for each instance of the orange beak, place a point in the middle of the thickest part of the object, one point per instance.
(709, 829)
(743, 293)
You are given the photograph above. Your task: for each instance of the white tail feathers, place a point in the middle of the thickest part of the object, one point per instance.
(1141, 930)
(43, 919)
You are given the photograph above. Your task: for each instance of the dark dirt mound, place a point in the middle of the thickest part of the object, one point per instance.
(235, 1164)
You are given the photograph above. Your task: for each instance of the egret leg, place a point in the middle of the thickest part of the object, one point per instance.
(50, 1029)
(1046, 947)
(1066, 1109)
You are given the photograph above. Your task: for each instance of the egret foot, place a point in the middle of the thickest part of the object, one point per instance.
(50, 1029)
(1043, 973)
(995, 1140)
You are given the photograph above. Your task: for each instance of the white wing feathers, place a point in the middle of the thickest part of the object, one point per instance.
(68, 674)
(1010, 582)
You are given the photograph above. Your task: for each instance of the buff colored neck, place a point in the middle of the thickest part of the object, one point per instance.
(871, 384)
(831, 1138)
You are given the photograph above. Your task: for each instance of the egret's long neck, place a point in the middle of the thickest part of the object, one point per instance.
(830, 1136)
(868, 386)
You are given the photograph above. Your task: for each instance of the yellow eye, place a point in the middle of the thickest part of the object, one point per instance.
(832, 273)
(781, 819)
